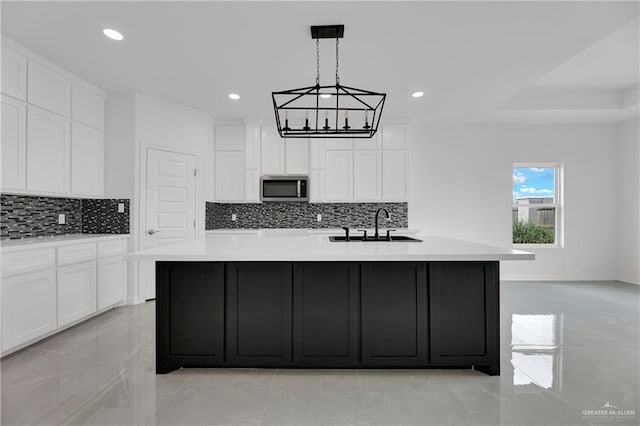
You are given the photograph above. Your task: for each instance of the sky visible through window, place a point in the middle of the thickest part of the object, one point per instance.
(532, 182)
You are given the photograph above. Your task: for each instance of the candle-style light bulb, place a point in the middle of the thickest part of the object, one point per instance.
(326, 121)
(306, 127)
(366, 120)
(346, 120)
(286, 121)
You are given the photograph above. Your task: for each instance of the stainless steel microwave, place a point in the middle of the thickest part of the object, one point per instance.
(284, 188)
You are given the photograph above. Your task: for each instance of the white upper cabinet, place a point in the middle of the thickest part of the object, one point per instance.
(345, 144)
(297, 156)
(49, 90)
(14, 143)
(273, 152)
(338, 176)
(229, 176)
(367, 176)
(14, 74)
(395, 179)
(230, 137)
(394, 136)
(87, 106)
(252, 145)
(373, 143)
(48, 152)
(316, 153)
(87, 152)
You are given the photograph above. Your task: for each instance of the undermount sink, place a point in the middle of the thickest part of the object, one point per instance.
(360, 239)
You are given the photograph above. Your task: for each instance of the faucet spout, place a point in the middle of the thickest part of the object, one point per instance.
(376, 235)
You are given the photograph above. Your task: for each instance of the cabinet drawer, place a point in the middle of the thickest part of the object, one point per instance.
(112, 248)
(27, 261)
(76, 254)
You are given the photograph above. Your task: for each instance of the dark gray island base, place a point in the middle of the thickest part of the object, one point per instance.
(328, 314)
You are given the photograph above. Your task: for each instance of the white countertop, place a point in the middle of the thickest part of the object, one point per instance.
(248, 247)
(55, 241)
(274, 232)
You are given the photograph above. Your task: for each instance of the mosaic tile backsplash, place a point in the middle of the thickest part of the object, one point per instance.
(23, 216)
(302, 215)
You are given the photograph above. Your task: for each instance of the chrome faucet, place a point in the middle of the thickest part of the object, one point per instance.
(376, 235)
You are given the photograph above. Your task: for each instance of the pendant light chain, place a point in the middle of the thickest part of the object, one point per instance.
(317, 62)
(337, 61)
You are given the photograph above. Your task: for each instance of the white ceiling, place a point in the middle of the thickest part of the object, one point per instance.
(468, 58)
(612, 62)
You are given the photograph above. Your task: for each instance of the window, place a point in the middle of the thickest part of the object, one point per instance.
(537, 209)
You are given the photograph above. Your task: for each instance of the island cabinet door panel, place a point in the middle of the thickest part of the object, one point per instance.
(190, 314)
(464, 313)
(394, 314)
(258, 316)
(325, 314)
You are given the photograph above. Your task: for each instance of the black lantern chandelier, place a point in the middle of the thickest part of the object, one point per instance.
(334, 111)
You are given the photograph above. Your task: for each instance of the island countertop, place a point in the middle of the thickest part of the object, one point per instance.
(311, 248)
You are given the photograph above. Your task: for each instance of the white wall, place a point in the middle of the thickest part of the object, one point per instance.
(628, 195)
(135, 122)
(461, 184)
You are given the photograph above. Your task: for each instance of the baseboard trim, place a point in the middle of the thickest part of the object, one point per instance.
(594, 277)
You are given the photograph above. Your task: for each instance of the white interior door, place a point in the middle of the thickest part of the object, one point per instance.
(170, 204)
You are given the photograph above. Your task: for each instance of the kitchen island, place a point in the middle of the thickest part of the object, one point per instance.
(303, 301)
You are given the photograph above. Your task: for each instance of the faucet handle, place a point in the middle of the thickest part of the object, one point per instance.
(346, 233)
(364, 234)
(389, 231)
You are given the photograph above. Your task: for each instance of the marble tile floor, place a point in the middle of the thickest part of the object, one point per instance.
(568, 350)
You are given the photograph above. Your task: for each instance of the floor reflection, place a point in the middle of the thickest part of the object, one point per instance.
(536, 351)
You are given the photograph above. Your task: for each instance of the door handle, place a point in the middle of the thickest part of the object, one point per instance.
(151, 232)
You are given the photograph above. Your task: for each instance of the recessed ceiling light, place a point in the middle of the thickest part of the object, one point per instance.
(113, 34)
(234, 96)
(325, 95)
(417, 94)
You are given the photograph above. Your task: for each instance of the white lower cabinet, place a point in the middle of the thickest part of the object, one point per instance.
(76, 292)
(28, 307)
(111, 278)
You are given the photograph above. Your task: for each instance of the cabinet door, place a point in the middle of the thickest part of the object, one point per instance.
(394, 314)
(273, 158)
(464, 313)
(28, 307)
(252, 186)
(326, 314)
(49, 90)
(316, 151)
(14, 74)
(190, 314)
(252, 145)
(297, 156)
(14, 143)
(111, 279)
(229, 175)
(369, 143)
(316, 186)
(87, 153)
(367, 176)
(258, 322)
(48, 152)
(76, 292)
(395, 175)
(338, 176)
(230, 137)
(87, 106)
(394, 136)
(338, 144)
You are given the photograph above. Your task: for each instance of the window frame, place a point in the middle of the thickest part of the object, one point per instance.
(558, 204)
